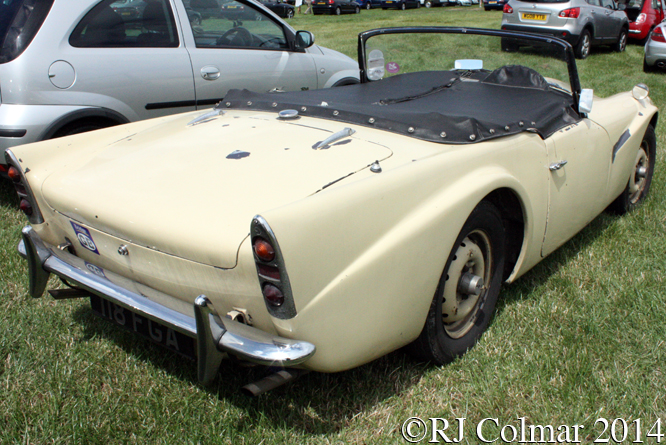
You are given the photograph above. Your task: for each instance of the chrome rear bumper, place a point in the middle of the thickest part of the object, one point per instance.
(214, 336)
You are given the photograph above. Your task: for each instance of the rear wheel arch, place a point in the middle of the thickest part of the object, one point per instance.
(513, 216)
(85, 120)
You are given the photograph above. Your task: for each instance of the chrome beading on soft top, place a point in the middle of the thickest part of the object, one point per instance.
(215, 336)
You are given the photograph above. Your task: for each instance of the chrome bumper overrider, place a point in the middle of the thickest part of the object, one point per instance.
(214, 336)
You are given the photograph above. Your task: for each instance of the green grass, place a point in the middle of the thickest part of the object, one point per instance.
(581, 336)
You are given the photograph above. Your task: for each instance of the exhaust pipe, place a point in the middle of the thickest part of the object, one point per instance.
(661, 64)
(273, 381)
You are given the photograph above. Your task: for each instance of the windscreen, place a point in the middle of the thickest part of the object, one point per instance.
(19, 22)
(389, 55)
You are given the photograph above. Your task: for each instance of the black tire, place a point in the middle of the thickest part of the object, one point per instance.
(621, 43)
(290, 13)
(482, 243)
(647, 68)
(508, 46)
(81, 127)
(639, 183)
(582, 49)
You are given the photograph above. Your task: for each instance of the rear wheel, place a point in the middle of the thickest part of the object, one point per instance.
(508, 45)
(640, 180)
(468, 289)
(82, 127)
(621, 43)
(582, 49)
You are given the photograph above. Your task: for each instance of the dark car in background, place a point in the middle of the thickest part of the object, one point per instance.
(369, 4)
(282, 9)
(494, 4)
(400, 4)
(643, 16)
(336, 7)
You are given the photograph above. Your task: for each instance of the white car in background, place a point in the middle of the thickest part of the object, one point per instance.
(69, 66)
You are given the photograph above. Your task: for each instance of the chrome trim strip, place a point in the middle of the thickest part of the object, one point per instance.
(214, 335)
(12, 160)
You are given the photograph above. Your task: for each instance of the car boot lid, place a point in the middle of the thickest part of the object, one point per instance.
(251, 162)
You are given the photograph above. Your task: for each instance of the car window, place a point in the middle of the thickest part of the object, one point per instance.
(594, 2)
(127, 23)
(608, 4)
(19, 22)
(229, 23)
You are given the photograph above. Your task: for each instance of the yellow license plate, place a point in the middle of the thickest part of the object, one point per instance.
(530, 16)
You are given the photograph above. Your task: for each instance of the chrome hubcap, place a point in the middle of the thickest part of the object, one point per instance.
(638, 180)
(466, 284)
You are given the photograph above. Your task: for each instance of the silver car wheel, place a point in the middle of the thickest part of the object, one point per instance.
(583, 47)
(638, 179)
(472, 263)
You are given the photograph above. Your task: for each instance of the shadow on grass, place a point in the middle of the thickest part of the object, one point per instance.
(8, 197)
(323, 403)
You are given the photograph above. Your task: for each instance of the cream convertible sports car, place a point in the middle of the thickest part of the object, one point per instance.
(323, 229)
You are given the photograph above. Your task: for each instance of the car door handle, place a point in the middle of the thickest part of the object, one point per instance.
(210, 72)
(557, 165)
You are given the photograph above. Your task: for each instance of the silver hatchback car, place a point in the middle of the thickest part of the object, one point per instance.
(582, 23)
(68, 66)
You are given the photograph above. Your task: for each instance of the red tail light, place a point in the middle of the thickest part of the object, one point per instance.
(268, 272)
(3, 168)
(507, 9)
(273, 295)
(571, 13)
(657, 35)
(26, 207)
(330, 2)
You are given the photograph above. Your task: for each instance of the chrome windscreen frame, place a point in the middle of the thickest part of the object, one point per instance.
(215, 336)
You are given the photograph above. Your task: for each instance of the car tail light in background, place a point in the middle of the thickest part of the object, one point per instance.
(271, 270)
(3, 168)
(507, 9)
(657, 35)
(571, 13)
(641, 18)
(27, 202)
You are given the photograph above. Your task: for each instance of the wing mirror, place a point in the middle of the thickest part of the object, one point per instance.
(304, 39)
(585, 101)
(375, 68)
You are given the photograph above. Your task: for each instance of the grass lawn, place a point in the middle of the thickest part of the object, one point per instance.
(578, 338)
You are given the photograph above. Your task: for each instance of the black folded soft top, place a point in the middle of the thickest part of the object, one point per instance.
(454, 107)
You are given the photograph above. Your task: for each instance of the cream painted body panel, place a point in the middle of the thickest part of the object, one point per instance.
(364, 255)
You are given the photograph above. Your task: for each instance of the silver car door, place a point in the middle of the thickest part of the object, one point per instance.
(134, 64)
(240, 45)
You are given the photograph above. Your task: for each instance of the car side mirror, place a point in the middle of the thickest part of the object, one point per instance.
(585, 101)
(304, 39)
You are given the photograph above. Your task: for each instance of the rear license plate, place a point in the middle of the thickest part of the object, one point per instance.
(531, 16)
(152, 330)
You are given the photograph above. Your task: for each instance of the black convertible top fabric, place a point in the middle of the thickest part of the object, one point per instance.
(452, 107)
